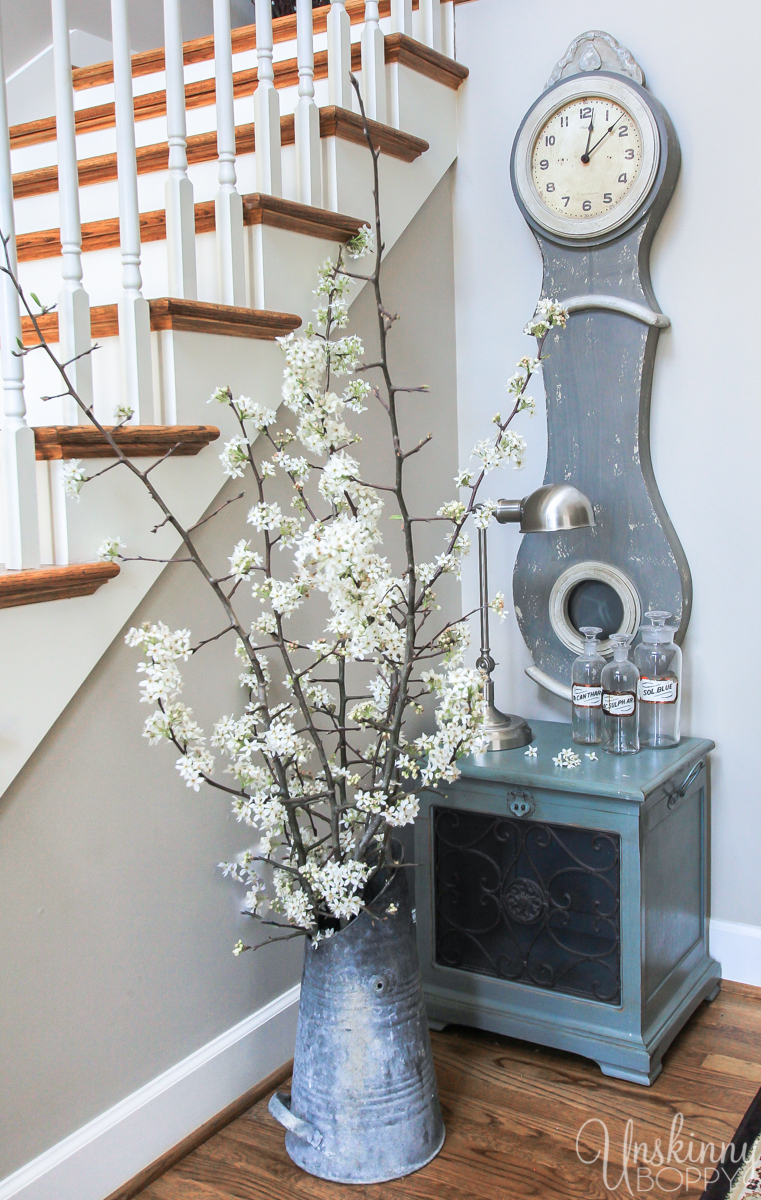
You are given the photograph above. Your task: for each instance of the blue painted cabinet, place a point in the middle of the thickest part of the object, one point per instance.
(569, 906)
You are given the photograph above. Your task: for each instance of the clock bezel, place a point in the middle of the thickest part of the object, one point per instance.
(578, 87)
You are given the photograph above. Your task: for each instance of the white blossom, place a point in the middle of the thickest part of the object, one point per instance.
(73, 477)
(508, 447)
(234, 457)
(244, 560)
(123, 412)
(259, 416)
(567, 758)
(453, 510)
(265, 516)
(497, 605)
(404, 811)
(111, 549)
(531, 752)
(484, 513)
(548, 314)
(362, 243)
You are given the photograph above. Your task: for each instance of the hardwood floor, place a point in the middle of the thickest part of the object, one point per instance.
(513, 1112)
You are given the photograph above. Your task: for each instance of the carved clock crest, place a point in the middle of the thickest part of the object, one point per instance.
(594, 165)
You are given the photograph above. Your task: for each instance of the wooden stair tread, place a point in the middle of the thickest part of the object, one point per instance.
(258, 209)
(202, 147)
(399, 48)
(148, 62)
(54, 583)
(56, 442)
(167, 312)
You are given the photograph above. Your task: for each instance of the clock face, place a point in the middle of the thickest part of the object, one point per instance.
(586, 158)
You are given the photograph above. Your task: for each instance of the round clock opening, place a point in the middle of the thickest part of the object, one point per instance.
(593, 602)
(593, 593)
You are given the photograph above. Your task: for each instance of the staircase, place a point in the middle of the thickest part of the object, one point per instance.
(204, 187)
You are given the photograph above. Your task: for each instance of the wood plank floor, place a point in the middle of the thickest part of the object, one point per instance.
(513, 1112)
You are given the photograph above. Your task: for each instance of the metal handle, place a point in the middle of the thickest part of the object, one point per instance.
(692, 775)
(280, 1108)
(681, 792)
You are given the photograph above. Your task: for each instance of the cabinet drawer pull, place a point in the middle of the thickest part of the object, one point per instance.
(681, 792)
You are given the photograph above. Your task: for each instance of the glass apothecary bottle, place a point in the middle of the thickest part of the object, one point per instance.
(586, 690)
(659, 690)
(620, 711)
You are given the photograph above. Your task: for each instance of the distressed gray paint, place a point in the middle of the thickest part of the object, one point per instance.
(598, 380)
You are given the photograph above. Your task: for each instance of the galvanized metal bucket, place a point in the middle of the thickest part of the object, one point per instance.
(364, 1107)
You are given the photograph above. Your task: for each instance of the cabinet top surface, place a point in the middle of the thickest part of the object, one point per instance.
(629, 776)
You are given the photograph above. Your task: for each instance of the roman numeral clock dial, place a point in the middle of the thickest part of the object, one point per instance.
(586, 158)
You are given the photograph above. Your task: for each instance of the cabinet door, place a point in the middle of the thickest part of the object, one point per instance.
(529, 901)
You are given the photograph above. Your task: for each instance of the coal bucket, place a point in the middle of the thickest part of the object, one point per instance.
(364, 1106)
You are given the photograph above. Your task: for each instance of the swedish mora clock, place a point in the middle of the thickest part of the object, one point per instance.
(594, 165)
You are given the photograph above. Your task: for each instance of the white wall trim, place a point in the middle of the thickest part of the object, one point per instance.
(115, 1146)
(738, 948)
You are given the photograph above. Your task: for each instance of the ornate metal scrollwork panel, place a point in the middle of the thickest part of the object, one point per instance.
(534, 903)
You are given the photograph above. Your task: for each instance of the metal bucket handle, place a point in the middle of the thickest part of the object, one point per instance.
(280, 1107)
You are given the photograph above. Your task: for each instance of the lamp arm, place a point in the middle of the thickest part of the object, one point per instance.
(509, 511)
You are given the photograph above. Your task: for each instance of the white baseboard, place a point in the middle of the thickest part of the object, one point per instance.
(738, 948)
(102, 1155)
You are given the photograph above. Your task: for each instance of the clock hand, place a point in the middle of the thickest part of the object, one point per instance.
(586, 158)
(585, 155)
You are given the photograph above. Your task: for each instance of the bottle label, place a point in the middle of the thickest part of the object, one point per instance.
(619, 704)
(658, 691)
(585, 696)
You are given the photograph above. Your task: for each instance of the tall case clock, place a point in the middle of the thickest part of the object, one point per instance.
(594, 165)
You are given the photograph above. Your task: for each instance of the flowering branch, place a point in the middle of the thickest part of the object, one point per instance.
(321, 765)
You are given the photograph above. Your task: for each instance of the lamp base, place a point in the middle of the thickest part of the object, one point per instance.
(506, 731)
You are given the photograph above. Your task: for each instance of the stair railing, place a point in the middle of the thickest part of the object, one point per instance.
(447, 29)
(430, 23)
(401, 16)
(22, 537)
(228, 205)
(178, 192)
(339, 55)
(269, 174)
(373, 64)
(73, 301)
(134, 312)
(306, 116)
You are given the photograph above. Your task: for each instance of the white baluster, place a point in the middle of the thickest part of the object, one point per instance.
(306, 117)
(269, 176)
(22, 539)
(373, 64)
(430, 23)
(73, 302)
(178, 192)
(134, 313)
(447, 29)
(341, 92)
(228, 206)
(401, 16)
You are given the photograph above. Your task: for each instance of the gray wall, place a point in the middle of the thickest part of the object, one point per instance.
(116, 928)
(701, 61)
